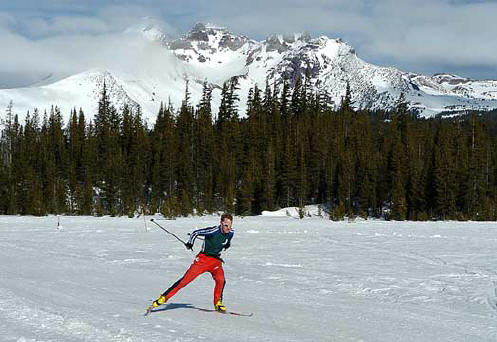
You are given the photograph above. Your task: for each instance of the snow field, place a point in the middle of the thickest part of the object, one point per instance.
(304, 280)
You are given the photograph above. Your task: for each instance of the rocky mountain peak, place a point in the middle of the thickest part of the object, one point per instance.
(282, 43)
(200, 32)
(450, 79)
(208, 38)
(214, 54)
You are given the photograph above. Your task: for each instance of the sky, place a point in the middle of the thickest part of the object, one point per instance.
(57, 37)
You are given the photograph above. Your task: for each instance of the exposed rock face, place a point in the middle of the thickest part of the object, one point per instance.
(330, 64)
(214, 55)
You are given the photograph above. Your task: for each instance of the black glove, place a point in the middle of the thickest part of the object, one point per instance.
(227, 246)
(189, 245)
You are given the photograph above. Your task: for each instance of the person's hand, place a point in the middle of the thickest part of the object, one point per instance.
(227, 246)
(189, 245)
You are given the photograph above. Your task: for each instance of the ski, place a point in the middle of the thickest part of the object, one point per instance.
(234, 313)
(149, 310)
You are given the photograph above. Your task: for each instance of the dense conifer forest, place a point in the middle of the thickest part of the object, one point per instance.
(290, 148)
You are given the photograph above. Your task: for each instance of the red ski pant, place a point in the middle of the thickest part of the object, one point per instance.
(202, 263)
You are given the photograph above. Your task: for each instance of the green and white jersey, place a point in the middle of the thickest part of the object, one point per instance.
(214, 240)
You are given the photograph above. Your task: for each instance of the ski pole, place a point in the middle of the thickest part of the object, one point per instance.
(164, 229)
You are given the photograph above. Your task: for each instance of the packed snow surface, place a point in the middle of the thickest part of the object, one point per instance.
(304, 280)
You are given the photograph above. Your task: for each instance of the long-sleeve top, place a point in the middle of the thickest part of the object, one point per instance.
(214, 240)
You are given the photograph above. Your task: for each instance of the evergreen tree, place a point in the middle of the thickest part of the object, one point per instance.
(11, 145)
(134, 150)
(416, 183)
(32, 202)
(75, 141)
(444, 174)
(228, 147)
(290, 149)
(398, 160)
(346, 105)
(109, 155)
(185, 174)
(87, 168)
(205, 152)
(478, 170)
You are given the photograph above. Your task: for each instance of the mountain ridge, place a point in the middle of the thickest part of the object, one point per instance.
(214, 54)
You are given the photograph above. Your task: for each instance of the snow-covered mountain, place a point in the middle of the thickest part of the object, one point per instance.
(213, 54)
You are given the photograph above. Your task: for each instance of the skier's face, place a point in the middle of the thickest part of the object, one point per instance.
(226, 225)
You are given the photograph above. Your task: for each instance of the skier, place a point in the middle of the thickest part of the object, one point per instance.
(207, 260)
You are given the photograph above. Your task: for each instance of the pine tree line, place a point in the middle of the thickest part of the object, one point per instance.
(291, 148)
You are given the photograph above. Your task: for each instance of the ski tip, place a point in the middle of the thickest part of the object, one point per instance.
(149, 310)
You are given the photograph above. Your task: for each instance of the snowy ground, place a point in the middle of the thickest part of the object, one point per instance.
(304, 280)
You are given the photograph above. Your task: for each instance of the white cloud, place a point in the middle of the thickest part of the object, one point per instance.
(424, 34)
(64, 45)
(434, 32)
(65, 25)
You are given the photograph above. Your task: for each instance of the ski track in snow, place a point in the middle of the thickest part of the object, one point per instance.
(304, 280)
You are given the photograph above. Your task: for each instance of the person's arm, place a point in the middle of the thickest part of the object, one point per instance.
(228, 244)
(200, 232)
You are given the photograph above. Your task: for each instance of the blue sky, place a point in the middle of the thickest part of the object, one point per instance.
(425, 36)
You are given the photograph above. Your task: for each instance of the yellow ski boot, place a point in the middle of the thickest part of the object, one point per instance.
(161, 300)
(219, 306)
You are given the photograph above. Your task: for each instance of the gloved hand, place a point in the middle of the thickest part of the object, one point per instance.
(189, 245)
(227, 246)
